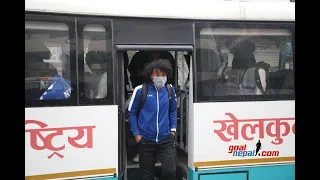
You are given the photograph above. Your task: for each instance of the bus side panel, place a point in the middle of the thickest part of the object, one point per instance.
(274, 172)
(69, 142)
(238, 134)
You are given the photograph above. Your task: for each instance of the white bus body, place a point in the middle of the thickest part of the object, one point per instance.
(84, 135)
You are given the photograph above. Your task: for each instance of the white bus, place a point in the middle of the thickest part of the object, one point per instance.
(234, 79)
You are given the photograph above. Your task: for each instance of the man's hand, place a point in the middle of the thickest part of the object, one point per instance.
(173, 133)
(138, 138)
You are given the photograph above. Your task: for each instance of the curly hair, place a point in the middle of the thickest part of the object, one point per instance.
(163, 65)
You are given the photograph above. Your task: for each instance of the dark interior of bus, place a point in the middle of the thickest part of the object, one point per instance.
(180, 62)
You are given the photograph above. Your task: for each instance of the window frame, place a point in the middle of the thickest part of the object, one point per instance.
(70, 22)
(237, 25)
(107, 24)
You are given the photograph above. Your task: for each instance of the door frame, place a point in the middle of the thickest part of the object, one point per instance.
(120, 79)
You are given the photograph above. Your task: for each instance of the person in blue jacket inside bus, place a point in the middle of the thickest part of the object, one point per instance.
(56, 87)
(52, 85)
(154, 126)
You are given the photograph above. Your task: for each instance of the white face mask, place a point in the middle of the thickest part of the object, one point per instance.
(44, 84)
(159, 82)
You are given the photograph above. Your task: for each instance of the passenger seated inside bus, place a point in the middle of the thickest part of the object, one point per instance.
(51, 85)
(246, 77)
(243, 69)
(98, 79)
(35, 52)
(33, 87)
(243, 53)
(249, 75)
(56, 87)
(98, 85)
(282, 80)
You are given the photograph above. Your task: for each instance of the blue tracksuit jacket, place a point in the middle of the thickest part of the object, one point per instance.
(155, 120)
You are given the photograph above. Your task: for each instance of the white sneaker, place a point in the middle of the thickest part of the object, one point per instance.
(136, 159)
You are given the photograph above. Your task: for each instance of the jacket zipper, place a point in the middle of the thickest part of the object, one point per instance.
(157, 115)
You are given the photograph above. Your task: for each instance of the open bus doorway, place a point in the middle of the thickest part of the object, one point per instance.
(180, 61)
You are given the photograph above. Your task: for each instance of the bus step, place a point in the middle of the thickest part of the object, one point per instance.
(182, 165)
(136, 165)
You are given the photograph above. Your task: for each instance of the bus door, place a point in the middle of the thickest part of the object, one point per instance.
(180, 54)
(71, 116)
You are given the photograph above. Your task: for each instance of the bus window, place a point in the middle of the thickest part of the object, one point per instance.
(97, 62)
(244, 62)
(47, 67)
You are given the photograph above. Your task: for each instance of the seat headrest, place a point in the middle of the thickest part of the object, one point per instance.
(36, 48)
(95, 66)
(98, 45)
(36, 65)
(97, 57)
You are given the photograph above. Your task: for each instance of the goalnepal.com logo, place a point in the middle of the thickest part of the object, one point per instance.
(241, 150)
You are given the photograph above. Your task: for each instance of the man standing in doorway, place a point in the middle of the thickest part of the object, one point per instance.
(154, 126)
(137, 66)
